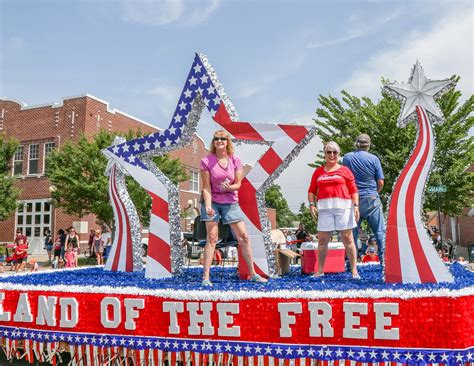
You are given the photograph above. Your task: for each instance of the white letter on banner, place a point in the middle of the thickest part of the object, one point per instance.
(224, 309)
(131, 313)
(195, 319)
(350, 320)
(173, 308)
(116, 313)
(382, 321)
(4, 315)
(47, 310)
(68, 305)
(320, 314)
(286, 319)
(23, 309)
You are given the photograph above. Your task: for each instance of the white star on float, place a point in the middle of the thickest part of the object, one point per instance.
(228, 347)
(258, 349)
(125, 147)
(182, 105)
(444, 357)
(136, 146)
(311, 352)
(362, 353)
(469, 356)
(419, 92)
(373, 354)
(278, 350)
(247, 348)
(420, 356)
(204, 78)
(408, 355)
(197, 68)
(384, 354)
(148, 343)
(187, 93)
(459, 357)
(432, 356)
(115, 149)
(146, 145)
(199, 90)
(339, 353)
(218, 347)
(289, 351)
(210, 90)
(237, 348)
(192, 81)
(396, 355)
(350, 353)
(268, 350)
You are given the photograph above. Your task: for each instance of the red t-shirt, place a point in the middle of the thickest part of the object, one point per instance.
(21, 251)
(367, 258)
(333, 189)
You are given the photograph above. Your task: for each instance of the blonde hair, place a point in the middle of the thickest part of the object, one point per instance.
(230, 145)
(333, 145)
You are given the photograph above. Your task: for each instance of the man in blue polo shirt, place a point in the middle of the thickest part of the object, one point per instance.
(369, 178)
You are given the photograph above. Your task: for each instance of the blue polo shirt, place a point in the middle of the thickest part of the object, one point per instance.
(367, 171)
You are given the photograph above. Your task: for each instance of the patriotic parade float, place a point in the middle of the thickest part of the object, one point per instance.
(415, 310)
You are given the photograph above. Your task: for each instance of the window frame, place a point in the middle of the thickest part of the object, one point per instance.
(30, 146)
(194, 182)
(45, 153)
(22, 148)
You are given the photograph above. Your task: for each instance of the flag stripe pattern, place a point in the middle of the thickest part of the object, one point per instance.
(410, 255)
(200, 84)
(120, 257)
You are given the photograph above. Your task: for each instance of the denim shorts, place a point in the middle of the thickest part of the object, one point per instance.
(229, 213)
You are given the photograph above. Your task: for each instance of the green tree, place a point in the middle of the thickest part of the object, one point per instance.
(77, 174)
(8, 193)
(306, 219)
(274, 199)
(343, 120)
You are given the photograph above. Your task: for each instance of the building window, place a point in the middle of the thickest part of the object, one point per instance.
(194, 181)
(48, 149)
(18, 161)
(33, 158)
(33, 218)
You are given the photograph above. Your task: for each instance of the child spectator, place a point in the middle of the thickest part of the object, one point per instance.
(71, 257)
(21, 252)
(48, 244)
(99, 245)
(371, 255)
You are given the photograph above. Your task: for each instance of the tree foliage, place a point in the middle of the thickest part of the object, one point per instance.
(343, 120)
(80, 187)
(8, 193)
(274, 199)
(306, 219)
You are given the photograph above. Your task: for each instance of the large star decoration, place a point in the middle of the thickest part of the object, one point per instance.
(202, 89)
(419, 92)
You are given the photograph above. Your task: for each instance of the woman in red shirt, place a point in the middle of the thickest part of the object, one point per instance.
(334, 201)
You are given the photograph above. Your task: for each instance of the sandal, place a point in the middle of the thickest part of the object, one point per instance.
(206, 283)
(257, 278)
(317, 275)
(356, 276)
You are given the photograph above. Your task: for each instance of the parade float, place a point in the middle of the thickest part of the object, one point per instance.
(414, 310)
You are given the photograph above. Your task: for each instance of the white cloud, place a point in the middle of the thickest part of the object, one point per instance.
(167, 97)
(163, 12)
(444, 50)
(359, 27)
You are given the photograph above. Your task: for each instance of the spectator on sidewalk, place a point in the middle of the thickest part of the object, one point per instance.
(71, 256)
(371, 255)
(99, 245)
(107, 240)
(73, 240)
(48, 244)
(21, 253)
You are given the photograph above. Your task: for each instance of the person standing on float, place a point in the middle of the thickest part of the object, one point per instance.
(222, 174)
(334, 201)
(369, 178)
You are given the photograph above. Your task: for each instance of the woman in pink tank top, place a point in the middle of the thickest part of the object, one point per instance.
(222, 174)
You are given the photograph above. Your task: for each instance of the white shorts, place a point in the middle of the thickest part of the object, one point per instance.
(331, 219)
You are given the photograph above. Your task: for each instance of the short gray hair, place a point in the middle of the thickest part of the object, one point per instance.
(333, 145)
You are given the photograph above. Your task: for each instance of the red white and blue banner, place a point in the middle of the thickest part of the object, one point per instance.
(363, 326)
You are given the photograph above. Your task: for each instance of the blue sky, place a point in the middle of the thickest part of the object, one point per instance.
(273, 57)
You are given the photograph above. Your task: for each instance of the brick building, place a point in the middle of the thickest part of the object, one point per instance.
(42, 128)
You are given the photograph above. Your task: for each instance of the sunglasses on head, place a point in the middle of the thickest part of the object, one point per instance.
(332, 152)
(220, 138)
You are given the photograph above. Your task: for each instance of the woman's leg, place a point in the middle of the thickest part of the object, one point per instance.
(212, 236)
(323, 241)
(240, 232)
(348, 241)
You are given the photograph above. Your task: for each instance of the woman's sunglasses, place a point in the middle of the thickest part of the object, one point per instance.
(331, 152)
(220, 139)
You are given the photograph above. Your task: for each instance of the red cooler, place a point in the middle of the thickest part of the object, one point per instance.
(334, 259)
